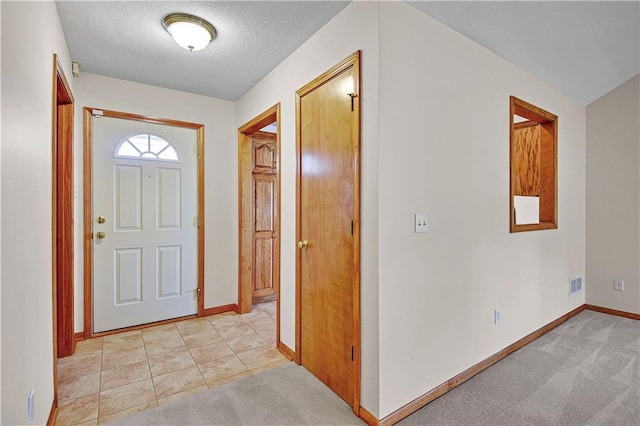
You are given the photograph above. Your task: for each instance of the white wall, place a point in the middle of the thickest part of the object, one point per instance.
(356, 27)
(221, 223)
(444, 151)
(0, 217)
(31, 34)
(613, 198)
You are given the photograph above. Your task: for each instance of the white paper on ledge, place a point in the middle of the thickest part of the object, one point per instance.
(527, 209)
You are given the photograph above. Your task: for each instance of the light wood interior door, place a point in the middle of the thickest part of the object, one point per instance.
(328, 229)
(264, 183)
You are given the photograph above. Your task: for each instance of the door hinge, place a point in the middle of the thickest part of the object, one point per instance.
(352, 96)
(197, 293)
(351, 352)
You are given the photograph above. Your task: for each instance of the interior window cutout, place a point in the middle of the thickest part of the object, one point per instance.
(147, 146)
(533, 161)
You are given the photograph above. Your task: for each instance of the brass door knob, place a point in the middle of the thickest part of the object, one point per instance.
(303, 244)
(101, 219)
(100, 235)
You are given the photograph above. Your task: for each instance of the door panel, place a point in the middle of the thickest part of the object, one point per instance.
(128, 272)
(264, 153)
(169, 266)
(327, 214)
(145, 266)
(128, 198)
(263, 271)
(169, 198)
(264, 194)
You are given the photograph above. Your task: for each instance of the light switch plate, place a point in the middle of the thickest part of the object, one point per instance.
(421, 222)
(497, 316)
(30, 405)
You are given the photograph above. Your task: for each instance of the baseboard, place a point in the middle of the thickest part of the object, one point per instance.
(79, 336)
(368, 418)
(285, 350)
(423, 400)
(613, 312)
(262, 299)
(219, 310)
(51, 421)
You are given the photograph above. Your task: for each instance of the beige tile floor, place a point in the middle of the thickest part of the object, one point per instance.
(114, 376)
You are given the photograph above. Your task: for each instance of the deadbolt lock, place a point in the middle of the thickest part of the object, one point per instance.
(101, 219)
(100, 235)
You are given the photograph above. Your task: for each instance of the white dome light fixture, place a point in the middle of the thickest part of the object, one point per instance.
(190, 32)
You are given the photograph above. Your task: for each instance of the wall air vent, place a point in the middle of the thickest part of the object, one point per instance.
(575, 285)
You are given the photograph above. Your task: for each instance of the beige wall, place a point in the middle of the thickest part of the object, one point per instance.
(221, 224)
(444, 151)
(31, 34)
(427, 299)
(613, 198)
(356, 27)
(0, 218)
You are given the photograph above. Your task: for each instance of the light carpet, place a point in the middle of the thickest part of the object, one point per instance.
(584, 372)
(285, 395)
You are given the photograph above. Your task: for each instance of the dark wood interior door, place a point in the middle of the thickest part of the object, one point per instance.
(328, 209)
(264, 172)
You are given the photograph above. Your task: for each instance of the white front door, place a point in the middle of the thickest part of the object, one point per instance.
(145, 224)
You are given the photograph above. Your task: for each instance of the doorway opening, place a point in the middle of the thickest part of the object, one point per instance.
(143, 220)
(259, 214)
(61, 220)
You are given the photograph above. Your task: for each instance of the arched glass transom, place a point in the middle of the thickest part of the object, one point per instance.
(147, 146)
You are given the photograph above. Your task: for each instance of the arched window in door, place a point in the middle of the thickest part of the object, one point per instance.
(147, 146)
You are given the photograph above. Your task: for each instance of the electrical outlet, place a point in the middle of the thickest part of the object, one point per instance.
(30, 405)
(618, 285)
(421, 222)
(497, 316)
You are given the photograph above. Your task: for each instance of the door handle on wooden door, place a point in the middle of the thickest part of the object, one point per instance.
(303, 244)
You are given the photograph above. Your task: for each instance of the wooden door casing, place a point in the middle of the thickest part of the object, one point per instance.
(62, 213)
(245, 213)
(328, 217)
(264, 184)
(88, 214)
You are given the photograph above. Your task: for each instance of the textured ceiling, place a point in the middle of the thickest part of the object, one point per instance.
(585, 49)
(126, 40)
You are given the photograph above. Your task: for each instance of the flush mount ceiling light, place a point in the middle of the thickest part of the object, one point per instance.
(189, 31)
